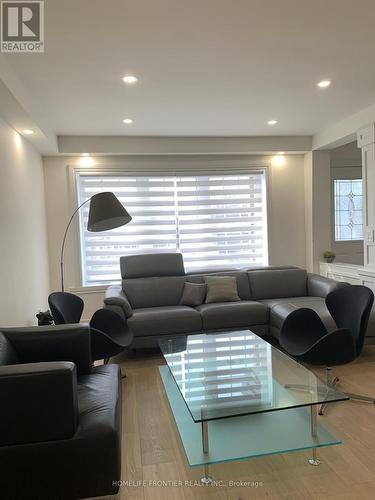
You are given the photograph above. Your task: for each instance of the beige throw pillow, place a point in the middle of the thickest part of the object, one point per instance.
(221, 289)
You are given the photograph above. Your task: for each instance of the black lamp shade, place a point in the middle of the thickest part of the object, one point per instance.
(106, 212)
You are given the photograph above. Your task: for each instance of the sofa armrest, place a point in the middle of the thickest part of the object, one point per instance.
(38, 402)
(320, 286)
(39, 344)
(115, 296)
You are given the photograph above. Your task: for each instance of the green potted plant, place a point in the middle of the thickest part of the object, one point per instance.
(329, 256)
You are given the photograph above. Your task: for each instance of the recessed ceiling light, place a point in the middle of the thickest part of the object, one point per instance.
(130, 79)
(28, 131)
(278, 161)
(87, 161)
(281, 153)
(85, 154)
(272, 122)
(128, 121)
(324, 84)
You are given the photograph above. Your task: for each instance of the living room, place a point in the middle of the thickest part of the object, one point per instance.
(187, 203)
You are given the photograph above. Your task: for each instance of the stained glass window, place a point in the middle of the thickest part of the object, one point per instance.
(348, 209)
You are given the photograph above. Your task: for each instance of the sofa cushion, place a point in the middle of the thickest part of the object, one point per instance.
(241, 276)
(232, 314)
(164, 320)
(97, 442)
(280, 308)
(97, 395)
(149, 265)
(154, 292)
(280, 283)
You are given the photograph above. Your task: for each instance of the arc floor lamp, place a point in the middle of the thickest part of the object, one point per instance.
(106, 212)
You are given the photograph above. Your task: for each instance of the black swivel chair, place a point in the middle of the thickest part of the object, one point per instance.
(110, 334)
(66, 308)
(304, 336)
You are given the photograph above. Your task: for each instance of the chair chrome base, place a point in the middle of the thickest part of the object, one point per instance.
(359, 397)
(332, 383)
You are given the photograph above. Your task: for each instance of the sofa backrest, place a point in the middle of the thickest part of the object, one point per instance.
(153, 280)
(268, 268)
(277, 283)
(8, 355)
(242, 281)
(155, 291)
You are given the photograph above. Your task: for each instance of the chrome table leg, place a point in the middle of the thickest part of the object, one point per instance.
(206, 479)
(314, 432)
(204, 429)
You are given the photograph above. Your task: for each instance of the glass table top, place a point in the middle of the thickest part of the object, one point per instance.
(222, 375)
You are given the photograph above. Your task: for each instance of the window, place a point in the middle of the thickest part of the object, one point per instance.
(215, 221)
(348, 198)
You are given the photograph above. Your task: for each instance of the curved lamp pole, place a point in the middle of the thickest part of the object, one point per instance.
(106, 212)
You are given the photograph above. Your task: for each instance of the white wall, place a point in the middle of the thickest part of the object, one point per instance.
(286, 209)
(317, 207)
(24, 269)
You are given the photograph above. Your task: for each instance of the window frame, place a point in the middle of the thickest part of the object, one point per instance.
(337, 174)
(130, 167)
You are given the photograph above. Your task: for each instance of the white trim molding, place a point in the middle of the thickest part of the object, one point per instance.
(366, 141)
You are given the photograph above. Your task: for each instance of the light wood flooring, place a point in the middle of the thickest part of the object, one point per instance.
(152, 451)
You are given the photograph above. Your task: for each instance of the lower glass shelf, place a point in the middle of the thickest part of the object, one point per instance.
(247, 436)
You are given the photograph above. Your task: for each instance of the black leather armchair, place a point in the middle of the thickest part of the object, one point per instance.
(60, 419)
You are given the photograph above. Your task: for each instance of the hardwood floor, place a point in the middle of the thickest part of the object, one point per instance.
(152, 450)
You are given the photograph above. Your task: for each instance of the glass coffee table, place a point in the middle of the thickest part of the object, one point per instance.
(235, 396)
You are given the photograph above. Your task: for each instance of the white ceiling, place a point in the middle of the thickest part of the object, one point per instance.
(205, 67)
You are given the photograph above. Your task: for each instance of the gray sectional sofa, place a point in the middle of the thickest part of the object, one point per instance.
(152, 286)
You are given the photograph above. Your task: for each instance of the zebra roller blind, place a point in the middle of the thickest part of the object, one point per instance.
(215, 220)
